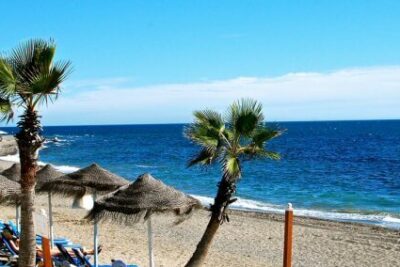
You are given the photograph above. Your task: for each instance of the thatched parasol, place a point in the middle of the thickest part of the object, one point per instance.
(9, 191)
(13, 173)
(47, 174)
(10, 194)
(90, 180)
(139, 200)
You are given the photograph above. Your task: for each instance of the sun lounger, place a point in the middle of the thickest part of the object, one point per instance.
(6, 243)
(8, 246)
(6, 259)
(64, 241)
(86, 261)
(75, 261)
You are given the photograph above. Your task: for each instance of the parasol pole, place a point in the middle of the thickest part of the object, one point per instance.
(51, 234)
(150, 240)
(17, 217)
(96, 240)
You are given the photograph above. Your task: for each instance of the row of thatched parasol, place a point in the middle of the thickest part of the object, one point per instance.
(124, 202)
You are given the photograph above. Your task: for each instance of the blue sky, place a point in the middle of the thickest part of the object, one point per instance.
(142, 48)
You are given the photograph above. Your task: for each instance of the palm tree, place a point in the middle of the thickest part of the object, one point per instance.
(241, 136)
(29, 77)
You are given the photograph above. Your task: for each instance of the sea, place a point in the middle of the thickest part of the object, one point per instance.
(336, 170)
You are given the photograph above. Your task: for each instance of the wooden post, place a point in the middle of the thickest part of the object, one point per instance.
(287, 247)
(46, 252)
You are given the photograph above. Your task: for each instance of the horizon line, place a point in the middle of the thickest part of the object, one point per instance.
(183, 123)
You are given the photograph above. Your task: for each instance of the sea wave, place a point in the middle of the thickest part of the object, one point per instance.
(144, 166)
(384, 220)
(11, 158)
(3, 132)
(66, 168)
(61, 168)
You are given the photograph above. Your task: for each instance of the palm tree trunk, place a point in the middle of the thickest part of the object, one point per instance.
(27, 250)
(226, 189)
(29, 141)
(200, 254)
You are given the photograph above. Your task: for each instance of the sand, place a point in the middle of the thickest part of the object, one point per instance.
(250, 239)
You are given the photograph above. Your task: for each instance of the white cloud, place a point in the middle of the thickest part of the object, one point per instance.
(360, 93)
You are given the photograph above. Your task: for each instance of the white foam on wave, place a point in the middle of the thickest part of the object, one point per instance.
(11, 158)
(66, 168)
(61, 168)
(376, 219)
(383, 220)
(145, 166)
(390, 219)
(3, 132)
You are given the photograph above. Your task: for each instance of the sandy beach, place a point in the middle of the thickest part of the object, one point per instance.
(250, 239)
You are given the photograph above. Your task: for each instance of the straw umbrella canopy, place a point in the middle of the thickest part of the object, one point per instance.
(10, 191)
(139, 200)
(13, 173)
(46, 174)
(90, 180)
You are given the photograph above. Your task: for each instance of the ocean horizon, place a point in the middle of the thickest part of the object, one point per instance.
(337, 170)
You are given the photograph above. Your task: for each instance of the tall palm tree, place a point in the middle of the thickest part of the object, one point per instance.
(242, 135)
(29, 77)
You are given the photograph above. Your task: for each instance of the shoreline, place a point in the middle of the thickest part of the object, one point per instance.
(251, 238)
(275, 211)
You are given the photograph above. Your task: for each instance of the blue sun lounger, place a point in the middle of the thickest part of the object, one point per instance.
(58, 260)
(84, 261)
(7, 259)
(10, 249)
(64, 241)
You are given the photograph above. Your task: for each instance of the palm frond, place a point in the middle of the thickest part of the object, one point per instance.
(46, 85)
(206, 130)
(231, 166)
(6, 110)
(258, 141)
(264, 134)
(204, 157)
(269, 154)
(242, 135)
(245, 116)
(45, 56)
(252, 151)
(209, 117)
(7, 79)
(36, 78)
(25, 57)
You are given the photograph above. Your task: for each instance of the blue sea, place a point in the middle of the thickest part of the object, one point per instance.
(344, 170)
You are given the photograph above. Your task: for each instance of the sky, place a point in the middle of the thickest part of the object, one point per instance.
(157, 61)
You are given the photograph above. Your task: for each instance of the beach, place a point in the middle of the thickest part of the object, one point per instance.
(250, 239)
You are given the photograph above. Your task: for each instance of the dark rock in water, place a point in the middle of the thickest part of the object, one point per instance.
(8, 145)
